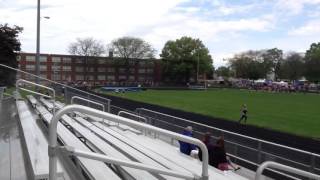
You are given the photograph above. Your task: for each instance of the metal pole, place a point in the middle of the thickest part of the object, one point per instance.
(198, 68)
(38, 44)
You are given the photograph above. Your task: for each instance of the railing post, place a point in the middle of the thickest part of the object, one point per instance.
(259, 152)
(312, 163)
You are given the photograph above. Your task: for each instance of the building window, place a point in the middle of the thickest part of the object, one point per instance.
(43, 76)
(141, 78)
(90, 77)
(79, 61)
(111, 77)
(101, 69)
(30, 58)
(132, 70)
(101, 77)
(90, 69)
(66, 68)
(150, 70)
(30, 67)
(56, 68)
(101, 61)
(142, 63)
(56, 59)
(43, 58)
(56, 77)
(66, 60)
(79, 77)
(79, 69)
(141, 71)
(122, 70)
(110, 70)
(132, 78)
(122, 77)
(43, 67)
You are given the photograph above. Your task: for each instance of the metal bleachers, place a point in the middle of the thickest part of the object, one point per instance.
(94, 169)
(35, 143)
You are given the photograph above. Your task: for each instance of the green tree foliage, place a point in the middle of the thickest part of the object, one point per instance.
(183, 58)
(246, 67)
(223, 71)
(272, 59)
(312, 60)
(9, 45)
(257, 64)
(292, 67)
(132, 47)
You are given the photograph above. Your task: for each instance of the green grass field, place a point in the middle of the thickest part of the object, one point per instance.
(293, 113)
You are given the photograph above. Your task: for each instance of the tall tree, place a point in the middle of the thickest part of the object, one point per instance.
(185, 58)
(131, 48)
(248, 65)
(86, 47)
(292, 67)
(272, 58)
(312, 60)
(223, 71)
(9, 46)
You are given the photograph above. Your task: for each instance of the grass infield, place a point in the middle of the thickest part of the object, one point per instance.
(294, 113)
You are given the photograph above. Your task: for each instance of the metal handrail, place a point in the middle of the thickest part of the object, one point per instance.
(284, 168)
(134, 115)
(34, 92)
(53, 147)
(84, 99)
(63, 85)
(237, 134)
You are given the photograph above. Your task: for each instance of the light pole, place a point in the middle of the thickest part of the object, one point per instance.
(38, 44)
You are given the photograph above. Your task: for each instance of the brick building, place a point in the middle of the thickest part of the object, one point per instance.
(93, 70)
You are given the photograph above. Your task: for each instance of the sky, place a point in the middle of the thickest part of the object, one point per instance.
(226, 27)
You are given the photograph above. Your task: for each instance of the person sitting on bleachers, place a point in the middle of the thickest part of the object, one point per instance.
(220, 159)
(185, 147)
(207, 141)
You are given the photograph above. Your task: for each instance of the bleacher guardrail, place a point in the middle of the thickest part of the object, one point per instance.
(61, 84)
(311, 165)
(20, 81)
(53, 146)
(282, 167)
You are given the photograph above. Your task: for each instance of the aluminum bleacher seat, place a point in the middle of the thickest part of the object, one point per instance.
(94, 169)
(106, 148)
(32, 100)
(174, 154)
(35, 143)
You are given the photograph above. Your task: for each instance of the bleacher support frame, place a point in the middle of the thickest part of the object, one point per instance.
(53, 146)
(279, 166)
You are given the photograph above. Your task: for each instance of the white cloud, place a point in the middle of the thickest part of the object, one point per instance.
(294, 7)
(311, 28)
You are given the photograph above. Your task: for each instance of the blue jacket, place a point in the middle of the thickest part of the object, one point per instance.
(186, 148)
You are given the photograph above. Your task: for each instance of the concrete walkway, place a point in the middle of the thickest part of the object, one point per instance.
(12, 166)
